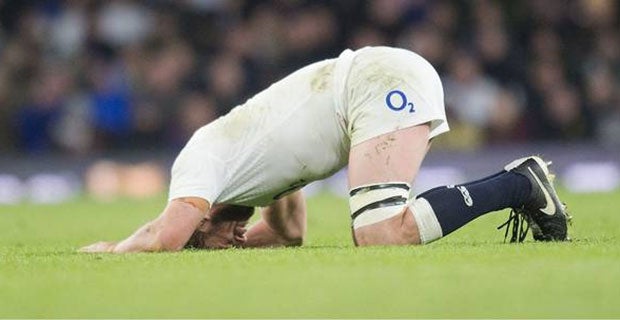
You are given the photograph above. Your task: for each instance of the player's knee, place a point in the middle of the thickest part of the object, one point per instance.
(381, 216)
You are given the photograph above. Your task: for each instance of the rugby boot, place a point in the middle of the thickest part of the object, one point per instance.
(545, 214)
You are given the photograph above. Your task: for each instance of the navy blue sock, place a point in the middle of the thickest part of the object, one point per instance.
(455, 206)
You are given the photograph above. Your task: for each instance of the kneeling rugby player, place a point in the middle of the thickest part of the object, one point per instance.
(376, 110)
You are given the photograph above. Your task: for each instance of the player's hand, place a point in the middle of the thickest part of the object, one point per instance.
(102, 246)
(239, 231)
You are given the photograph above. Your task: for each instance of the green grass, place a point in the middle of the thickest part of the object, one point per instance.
(471, 273)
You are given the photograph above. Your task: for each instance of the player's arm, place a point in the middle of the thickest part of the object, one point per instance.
(282, 224)
(169, 232)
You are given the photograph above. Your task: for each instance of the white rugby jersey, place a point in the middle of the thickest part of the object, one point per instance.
(300, 129)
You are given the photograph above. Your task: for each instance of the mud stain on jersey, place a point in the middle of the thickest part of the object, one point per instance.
(241, 120)
(373, 75)
(322, 78)
(235, 124)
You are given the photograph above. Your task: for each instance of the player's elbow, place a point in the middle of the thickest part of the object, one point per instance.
(294, 237)
(292, 227)
(290, 233)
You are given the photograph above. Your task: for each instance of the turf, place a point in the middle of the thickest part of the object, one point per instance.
(471, 273)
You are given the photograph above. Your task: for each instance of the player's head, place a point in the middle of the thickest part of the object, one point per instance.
(220, 235)
(223, 228)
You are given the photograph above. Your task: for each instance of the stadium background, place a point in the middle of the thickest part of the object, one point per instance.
(97, 97)
(129, 81)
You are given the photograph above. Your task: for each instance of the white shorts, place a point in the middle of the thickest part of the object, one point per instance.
(387, 89)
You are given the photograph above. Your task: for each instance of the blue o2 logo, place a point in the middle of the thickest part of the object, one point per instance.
(397, 100)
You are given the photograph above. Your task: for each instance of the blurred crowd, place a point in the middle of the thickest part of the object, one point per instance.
(78, 76)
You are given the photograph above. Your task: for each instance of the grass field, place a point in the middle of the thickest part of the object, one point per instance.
(471, 273)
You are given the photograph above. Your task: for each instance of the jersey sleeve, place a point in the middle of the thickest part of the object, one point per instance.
(196, 174)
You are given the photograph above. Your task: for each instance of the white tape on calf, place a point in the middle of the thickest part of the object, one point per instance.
(375, 203)
(372, 216)
(428, 225)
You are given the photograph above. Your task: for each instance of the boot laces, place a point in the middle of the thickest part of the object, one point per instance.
(517, 225)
